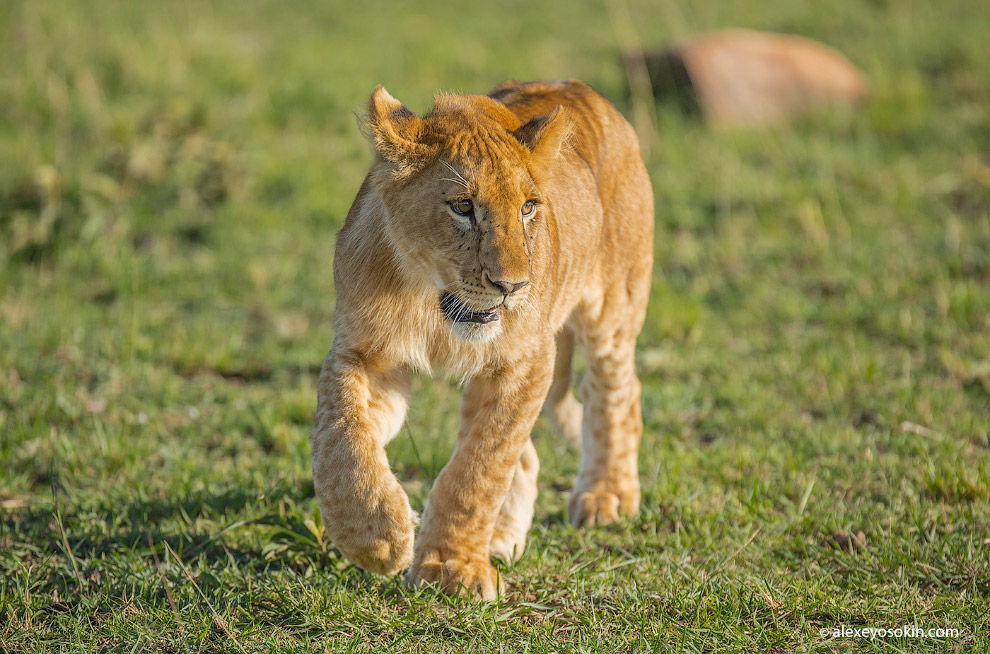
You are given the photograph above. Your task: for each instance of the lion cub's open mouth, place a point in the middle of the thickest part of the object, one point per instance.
(457, 311)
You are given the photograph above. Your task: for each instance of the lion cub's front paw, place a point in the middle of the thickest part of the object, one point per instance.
(375, 534)
(601, 507)
(475, 578)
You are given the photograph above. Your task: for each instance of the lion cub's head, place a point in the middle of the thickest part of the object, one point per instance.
(462, 192)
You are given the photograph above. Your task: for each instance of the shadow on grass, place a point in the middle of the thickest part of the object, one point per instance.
(113, 545)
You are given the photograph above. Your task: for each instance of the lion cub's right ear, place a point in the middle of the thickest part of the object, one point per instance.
(395, 131)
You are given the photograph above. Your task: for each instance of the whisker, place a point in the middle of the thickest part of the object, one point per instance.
(460, 178)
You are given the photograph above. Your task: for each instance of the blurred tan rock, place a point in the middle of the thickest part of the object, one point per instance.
(747, 78)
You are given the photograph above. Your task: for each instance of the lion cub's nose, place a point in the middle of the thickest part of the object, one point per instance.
(508, 287)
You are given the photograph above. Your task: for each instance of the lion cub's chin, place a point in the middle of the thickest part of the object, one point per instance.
(472, 332)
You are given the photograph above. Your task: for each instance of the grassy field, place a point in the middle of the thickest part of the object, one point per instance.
(816, 359)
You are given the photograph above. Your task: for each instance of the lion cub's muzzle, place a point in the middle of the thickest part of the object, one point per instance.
(456, 311)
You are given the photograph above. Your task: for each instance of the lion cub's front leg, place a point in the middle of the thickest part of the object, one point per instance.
(366, 512)
(497, 416)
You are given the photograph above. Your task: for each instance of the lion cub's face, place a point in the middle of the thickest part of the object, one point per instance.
(464, 205)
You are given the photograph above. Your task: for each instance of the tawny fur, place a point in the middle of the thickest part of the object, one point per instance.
(585, 256)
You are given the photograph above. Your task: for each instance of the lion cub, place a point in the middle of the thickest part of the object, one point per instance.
(489, 236)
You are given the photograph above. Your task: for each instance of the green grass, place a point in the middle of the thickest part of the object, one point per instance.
(816, 359)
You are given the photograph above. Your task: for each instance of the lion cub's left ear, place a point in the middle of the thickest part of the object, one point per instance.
(545, 135)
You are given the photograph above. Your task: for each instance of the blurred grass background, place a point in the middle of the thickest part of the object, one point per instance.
(816, 360)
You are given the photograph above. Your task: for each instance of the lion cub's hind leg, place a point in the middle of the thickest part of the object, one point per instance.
(607, 485)
(516, 515)
(562, 408)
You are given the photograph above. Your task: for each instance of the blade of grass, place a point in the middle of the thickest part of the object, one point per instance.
(164, 581)
(61, 527)
(219, 621)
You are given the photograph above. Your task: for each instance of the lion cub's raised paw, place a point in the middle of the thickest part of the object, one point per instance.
(377, 536)
(473, 578)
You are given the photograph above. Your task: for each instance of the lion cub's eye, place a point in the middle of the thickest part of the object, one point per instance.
(462, 208)
(528, 208)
